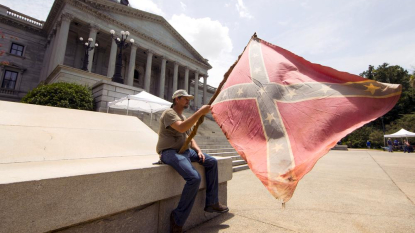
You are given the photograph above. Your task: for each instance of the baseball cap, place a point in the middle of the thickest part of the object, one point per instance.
(182, 92)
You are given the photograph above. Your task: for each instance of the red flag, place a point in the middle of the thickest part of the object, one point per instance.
(282, 113)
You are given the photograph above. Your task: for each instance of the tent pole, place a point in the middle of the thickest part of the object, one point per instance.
(128, 104)
(151, 117)
(108, 108)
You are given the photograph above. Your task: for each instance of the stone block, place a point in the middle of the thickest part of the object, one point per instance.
(109, 87)
(124, 90)
(116, 95)
(104, 98)
(82, 171)
(141, 219)
(100, 93)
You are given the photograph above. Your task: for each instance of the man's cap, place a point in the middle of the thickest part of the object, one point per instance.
(182, 92)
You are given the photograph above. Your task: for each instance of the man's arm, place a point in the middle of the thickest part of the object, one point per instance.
(183, 126)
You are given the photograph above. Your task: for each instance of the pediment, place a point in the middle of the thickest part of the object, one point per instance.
(145, 25)
(156, 31)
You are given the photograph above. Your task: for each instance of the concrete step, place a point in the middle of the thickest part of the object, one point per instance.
(238, 162)
(220, 152)
(236, 157)
(240, 168)
(212, 150)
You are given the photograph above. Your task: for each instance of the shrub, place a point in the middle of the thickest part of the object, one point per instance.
(64, 95)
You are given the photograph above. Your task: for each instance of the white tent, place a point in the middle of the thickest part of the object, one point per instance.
(142, 101)
(403, 133)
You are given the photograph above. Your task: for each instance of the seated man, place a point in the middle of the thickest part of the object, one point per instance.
(172, 136)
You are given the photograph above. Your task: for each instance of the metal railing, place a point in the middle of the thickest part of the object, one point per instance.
(24, 17)
(8, 91)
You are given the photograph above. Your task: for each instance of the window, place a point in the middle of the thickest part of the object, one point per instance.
(9, 79)
(17, 49)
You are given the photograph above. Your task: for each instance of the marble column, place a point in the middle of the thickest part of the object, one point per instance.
(205, 101)
(148, 71)
(162, 77)
(63, 39)
(186, 79)
(111, 63)
(131, 66)
(54, 44)
(196, 100)
(175, 76)
(45, 64)
(93, 29)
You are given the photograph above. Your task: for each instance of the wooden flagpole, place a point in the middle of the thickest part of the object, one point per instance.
(202, 118)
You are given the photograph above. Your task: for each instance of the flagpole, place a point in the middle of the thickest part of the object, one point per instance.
(201, 119)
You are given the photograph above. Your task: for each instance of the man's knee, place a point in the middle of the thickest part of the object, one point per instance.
(211, 161)
(195, 179)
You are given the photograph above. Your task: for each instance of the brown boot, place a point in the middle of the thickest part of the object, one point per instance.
(174, 228)
(216, 208)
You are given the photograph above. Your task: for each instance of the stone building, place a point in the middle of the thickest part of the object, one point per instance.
(157, 59)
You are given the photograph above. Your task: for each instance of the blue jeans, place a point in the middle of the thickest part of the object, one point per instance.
(182, 164)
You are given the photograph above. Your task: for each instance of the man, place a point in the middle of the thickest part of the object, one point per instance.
(172, 136)
(390, 145)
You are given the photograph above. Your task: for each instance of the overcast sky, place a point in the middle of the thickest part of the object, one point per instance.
(347, 35)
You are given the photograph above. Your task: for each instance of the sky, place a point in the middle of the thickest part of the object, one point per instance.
(347, 35)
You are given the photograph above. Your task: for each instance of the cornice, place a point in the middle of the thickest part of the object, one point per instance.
(22, 25)
(53, 16)
(99, 5)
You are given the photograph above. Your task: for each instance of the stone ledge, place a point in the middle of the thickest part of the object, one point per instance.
(52, 195)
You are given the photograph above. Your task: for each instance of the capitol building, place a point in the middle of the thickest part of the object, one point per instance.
(115, 49)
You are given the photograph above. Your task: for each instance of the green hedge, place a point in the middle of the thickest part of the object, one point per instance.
(64, 95)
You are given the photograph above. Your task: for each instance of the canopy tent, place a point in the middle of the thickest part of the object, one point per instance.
(403, 133)
(142, 101)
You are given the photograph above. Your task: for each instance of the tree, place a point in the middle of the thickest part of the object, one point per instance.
(64, 95)
(400, 116)
(398, 75)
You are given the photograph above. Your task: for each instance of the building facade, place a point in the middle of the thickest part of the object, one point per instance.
(157, 59)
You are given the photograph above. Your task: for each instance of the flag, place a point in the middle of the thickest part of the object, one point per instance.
(282, 113)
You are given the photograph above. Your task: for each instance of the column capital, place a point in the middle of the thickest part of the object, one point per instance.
(164, 58)
(134, 45)
(67, 17)
(94, 27)
(149, 51)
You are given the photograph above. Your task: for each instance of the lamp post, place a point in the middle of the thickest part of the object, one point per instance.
(88, 47)
(121, 43)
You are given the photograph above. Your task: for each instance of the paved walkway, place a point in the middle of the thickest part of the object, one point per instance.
(347, 191)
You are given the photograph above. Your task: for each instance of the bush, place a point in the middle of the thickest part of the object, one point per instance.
(64, 95)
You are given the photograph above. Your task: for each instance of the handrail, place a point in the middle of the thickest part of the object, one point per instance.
(8, 91)
(24, 17)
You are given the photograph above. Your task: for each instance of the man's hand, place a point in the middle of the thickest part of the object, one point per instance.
(201, 156)
(205, 109)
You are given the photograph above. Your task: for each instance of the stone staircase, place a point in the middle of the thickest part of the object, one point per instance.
(209, 137)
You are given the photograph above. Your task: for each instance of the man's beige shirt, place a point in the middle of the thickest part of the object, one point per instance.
(170, 138)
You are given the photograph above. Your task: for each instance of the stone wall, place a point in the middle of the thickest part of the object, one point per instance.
(28, 65)
(82, 171)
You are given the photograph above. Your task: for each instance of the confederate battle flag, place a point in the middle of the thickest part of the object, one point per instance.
(282, 113)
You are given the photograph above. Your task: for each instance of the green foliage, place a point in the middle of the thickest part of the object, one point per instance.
(64, 95)
(407, 122)
(400, 116)
(398, 75)
(358, 138)
(376, 138)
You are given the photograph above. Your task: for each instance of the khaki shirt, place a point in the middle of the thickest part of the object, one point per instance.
(170, 138)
